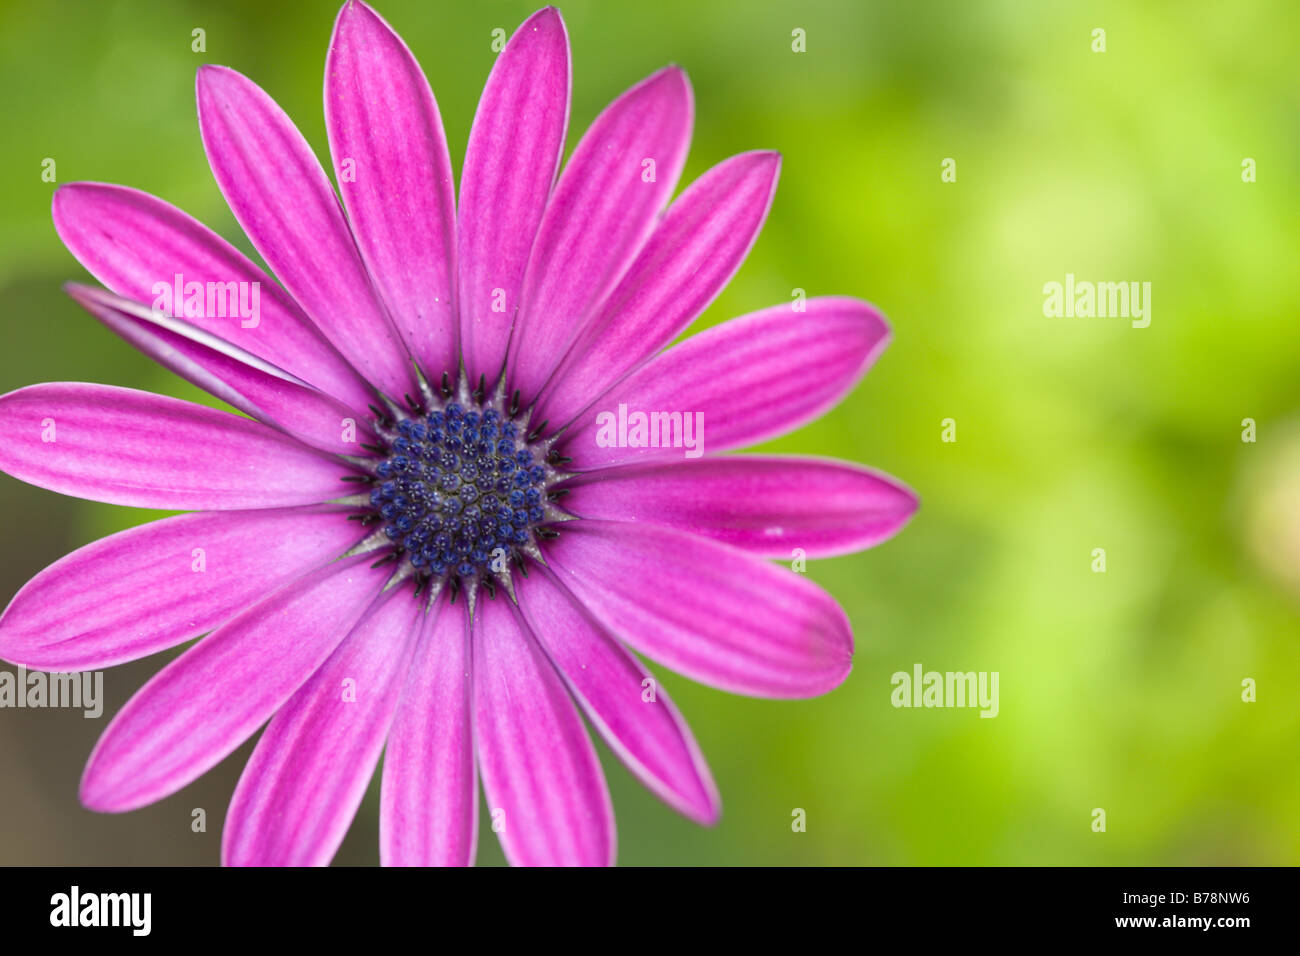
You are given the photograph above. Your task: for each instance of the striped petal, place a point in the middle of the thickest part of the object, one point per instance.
(150, 588)
(742, 382)
(428, 804)
(545, 790)
(127, 447)
(382, 118)
(510, 162)
(605, 205)
(715, 614)
(622, 701)
(689, 259)
(302, 786)
(208, 701)
(284, 202)
(764, 505)
(142, 248)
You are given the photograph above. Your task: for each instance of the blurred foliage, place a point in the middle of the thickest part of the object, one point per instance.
(1119, 690)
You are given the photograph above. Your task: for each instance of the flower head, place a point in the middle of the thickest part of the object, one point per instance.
(469, 476)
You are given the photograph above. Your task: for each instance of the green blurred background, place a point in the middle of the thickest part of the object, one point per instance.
(1120, 690)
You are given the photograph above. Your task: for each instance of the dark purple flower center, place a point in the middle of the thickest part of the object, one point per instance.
(461, 491)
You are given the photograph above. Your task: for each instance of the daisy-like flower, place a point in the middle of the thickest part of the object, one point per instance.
(469, 476)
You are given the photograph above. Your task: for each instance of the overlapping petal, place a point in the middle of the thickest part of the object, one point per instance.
(246, 382)
(212, 698)
(689, 258)
(303, 784)
(739, 383)
(149, 588)
(140, 247)
(284, 202)
(624, 703)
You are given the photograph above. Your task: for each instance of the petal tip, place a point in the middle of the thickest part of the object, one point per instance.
(549, 20)
(210, 76)
(92, 795)
(878, 328)
(57, 200)
(93, 791)
(71, 207)
(707, 810)
(352, 9)
(550, 15)
(68, 193)
(677, 74)
(79, 292)
(767, 164)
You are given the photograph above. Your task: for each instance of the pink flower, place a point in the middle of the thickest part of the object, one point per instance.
(534, 483)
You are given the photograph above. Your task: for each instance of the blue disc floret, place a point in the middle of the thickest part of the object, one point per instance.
(460, 491)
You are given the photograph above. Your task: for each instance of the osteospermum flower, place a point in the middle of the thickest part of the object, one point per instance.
(469, 478)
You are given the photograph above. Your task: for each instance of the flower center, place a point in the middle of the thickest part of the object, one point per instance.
(461, 492)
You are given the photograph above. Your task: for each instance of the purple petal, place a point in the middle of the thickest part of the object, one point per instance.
(510, 162)
(742, 382)
(715, 614)
(244, 381)
(765, 505)
(208, 701)
(302, 786)
(598, 219)
(382, 117)
(688, 260)
(545, 790)
(149, 588)
(127, 447)
(284, 201)
(136, 244)
(620, 698)
(428, 803)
